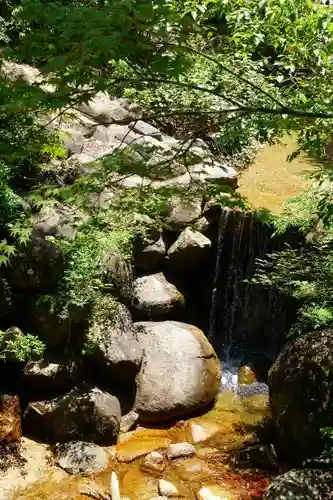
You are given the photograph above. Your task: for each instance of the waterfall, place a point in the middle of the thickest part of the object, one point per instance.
(245, 319)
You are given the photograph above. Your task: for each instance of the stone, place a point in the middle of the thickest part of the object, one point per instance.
(301, 484)
(51, 373)
(153, 462)
(180, 371)
(215, 492)
(178, 450)
(202, 225)
(118, 272)
(24, 72)
(38, 266)
(188, 250)
(123, 134)
(91, 415)
(261, 456)
(246, 375)
(117, 351)
(144, 128)
(165, 488)
(128, 421)
(59, 220)
(105, 110)
(203, 431)
(152, 256)
(10, 420)
(193, 469)
(79, 457)
(133, 181)
(181, 213)
(215, 173)
(99, 149)
(138, 446)
(154, 297)
(300, 384)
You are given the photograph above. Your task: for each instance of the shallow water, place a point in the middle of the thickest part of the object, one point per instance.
(231, 422)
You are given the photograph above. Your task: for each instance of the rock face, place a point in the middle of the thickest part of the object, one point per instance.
(10, 420)
(188, 250)
(78, 457)
(301, 484)
(180, 372)
(154, 297)
(178, 450)
(93, 416)
(116, 347)
(38, 266)
(301, 384)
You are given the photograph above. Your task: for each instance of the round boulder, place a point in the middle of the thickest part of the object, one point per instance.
(301, 387)
(188, 250)
(155, 297)
(91, 415)
(180, 372)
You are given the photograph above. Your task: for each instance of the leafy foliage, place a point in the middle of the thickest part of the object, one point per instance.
(18, 346)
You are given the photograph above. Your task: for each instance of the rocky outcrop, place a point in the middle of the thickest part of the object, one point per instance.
(154, 297)
(301, 484)
(78, 457)
(93, 416)
(180, 372)
(117, 351)
(188, 250)
(301, 385)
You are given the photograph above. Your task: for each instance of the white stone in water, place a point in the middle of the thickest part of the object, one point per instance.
(167, 489)
(180, 450)
(214, 493)
(115, 492)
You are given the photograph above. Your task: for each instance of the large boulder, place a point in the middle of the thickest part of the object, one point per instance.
(105, 110)
(152, 256)
(180, 213)
(180, 372)
(51, 373)
(117, 350)
(301, 484)
(59, 220)
(38, 266)
(155, 297)
(188, 250)
(301, 387)
(78, 457)
(91, 415)
(118, 272)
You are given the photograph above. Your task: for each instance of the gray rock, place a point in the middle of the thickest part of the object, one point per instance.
(105, 110)
(152, 256)
(129, 421)
(98, 149)
(37, 266)
(180, 372)
(144, 128)
(133, 181)
(123, 134)
(215, 173)
(202, 225)
(117, 350)
(167, 489)
(153, 462)
(118, 272)
(188, 250)
(51, 373)
(93, 416)
(178, 450)
(181, 213)
(301, 484)
(259, 456)
(153, 296)
(59, 220)
(79, 457)
(23, 72)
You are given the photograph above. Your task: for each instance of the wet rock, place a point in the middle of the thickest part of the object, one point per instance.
(203, 431)
(181, 213)
(153, 297)
(188, 250)
(117, 350)
(129, 421)
(215, 492)
(165, 488)
(144, 128)
(90, 415)
(301, 484)
(178, 450)
(194, 469)
(79, 457)
(10, 420)
(300, 385)
(51, 373)
(139, 446)
(152, 256)
(38, 266)
(246, 375)
(153, 462)
(261, 457)
(180, 372)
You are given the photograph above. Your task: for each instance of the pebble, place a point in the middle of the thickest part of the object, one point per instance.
(214, 492)
(180, 450)
(167, 489)
(154, 461)
(203, 431)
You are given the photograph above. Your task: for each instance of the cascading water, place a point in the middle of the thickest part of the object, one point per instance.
(247, 321)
